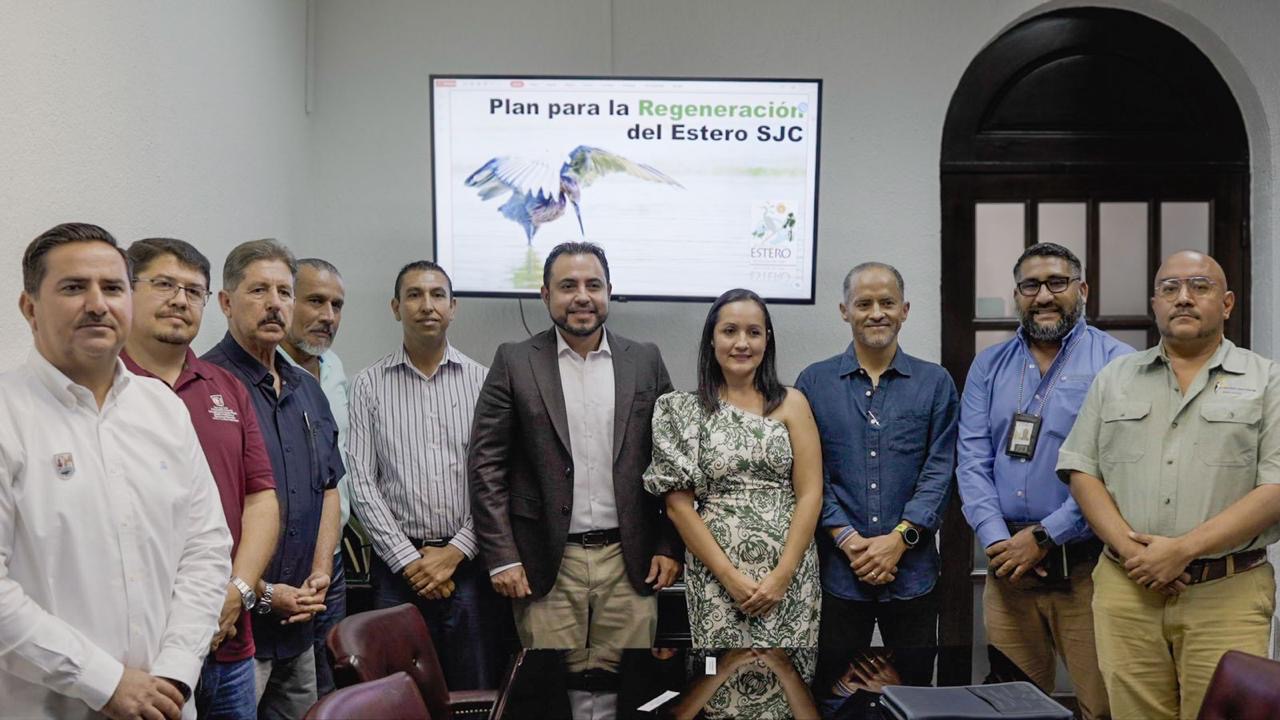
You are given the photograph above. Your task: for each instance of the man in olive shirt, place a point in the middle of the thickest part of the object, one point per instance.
(1175, 461)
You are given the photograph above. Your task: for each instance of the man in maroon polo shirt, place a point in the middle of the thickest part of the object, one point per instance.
(171, 286)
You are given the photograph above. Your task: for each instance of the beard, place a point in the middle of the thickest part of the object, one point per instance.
(312, 349)
(1055, 332)
(579, 331)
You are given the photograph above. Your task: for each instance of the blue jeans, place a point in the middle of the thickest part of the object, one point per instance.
(335, 608)
(225, 690)
(465, 627)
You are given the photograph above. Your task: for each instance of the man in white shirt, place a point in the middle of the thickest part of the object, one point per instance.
(114, 552)
(317, 313)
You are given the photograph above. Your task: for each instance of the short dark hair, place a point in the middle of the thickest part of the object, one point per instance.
(318, 264)
(873, 265)
(148, 250)
(1047, 249)
(711, 377)
(421, 266)
(34, 267)
(248, 253)
(574, 248)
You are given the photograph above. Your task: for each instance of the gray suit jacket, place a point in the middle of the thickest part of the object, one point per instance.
(521, 469)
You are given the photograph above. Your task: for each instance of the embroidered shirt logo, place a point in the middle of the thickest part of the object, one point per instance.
(220, 411)
(64, 465)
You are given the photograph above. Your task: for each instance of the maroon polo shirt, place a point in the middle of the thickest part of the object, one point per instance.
(227, 426)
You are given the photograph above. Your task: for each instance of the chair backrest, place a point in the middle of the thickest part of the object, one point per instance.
(374, 644)
(394, 696)
(1243, 687)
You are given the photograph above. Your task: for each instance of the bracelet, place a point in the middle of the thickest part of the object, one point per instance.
(844, 535)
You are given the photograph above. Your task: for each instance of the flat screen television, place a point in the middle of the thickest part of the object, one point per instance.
(692, 186)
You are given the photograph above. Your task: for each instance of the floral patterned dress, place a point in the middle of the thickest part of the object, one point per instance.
(738, 465)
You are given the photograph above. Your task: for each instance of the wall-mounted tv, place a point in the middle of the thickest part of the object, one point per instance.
(692, 186)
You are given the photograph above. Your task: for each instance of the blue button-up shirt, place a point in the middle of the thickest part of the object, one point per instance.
(888, 453)
(997, 489)
(302, 440)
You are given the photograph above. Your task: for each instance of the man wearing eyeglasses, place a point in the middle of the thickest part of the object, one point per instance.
(171, 289)
(1019, 403)
(1175, 461)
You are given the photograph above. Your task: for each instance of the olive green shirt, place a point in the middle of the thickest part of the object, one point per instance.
(1170, 461)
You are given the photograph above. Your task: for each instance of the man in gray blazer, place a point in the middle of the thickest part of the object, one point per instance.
(560, 440)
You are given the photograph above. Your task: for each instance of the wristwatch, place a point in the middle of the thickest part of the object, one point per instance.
(910, 535)
(1042, 536)
(248, 598)
(264, 602)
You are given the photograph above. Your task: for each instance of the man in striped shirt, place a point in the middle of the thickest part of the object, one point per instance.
(410, 427)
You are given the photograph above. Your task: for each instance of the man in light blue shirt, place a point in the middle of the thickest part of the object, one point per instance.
(1018, 406)
(317, 313)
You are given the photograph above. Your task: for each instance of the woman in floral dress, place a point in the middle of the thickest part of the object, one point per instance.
(741, 468)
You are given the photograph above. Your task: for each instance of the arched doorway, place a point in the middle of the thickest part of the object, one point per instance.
(1105, 131)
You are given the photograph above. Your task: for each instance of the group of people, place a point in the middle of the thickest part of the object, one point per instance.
(169, 524)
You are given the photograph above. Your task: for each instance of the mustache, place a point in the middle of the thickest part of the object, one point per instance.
(271, 318)
(92, 321)
(1185, 313)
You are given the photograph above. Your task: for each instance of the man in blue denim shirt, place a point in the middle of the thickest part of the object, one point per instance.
(302, 441)
(1037, 599)
(887, 422)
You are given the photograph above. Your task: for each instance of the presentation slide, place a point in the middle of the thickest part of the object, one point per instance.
(692, 186)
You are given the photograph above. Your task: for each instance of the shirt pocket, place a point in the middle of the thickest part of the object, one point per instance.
(1229, 435)
(1124, 431)
(909, 432)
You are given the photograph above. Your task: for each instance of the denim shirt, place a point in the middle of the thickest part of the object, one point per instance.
(997, 488)
(878, 472)
(302, 440)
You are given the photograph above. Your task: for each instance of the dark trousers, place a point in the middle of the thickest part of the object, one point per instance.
(466, 627)
(335, 608)
(911, 625)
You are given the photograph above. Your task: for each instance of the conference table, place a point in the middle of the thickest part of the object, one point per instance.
(740, 683)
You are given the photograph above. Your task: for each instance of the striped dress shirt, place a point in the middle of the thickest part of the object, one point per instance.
(407, 444)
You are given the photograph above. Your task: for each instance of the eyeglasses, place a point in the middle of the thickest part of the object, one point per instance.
(1056, 284)
(1197, 286)
(166, 288)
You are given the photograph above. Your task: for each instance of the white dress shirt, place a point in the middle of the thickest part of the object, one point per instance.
(408, 453)
(587, 384)
(114, 551)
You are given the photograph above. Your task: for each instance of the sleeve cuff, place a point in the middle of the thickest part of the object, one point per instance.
(98, 680)
(991, 531)
(178, 665)
(1063, 529)
(466, 544)
(401, 555)
(1069, 462)
(501, 568)
(923, 519)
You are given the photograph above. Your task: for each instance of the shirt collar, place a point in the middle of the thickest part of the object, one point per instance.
(192, 368)
(1227, 356)
(251, 367)
(849, 364)
(67, 391)
(400, 356)
(562, 346)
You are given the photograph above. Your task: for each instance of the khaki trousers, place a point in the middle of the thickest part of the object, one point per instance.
(1033, 624)
(591, 605)
(1157, 653)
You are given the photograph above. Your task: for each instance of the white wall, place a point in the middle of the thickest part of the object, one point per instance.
(148, 118)
(889, 71)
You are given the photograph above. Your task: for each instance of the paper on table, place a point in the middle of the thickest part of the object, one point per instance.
(657, 702)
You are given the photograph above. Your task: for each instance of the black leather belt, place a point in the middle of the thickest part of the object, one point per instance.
(1206, 570)
(1085, 551)
(595, 538)
(431, 542)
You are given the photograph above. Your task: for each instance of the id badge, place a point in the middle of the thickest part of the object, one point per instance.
(1023, 434)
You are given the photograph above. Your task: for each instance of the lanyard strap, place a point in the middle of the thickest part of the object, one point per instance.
(1053, 381)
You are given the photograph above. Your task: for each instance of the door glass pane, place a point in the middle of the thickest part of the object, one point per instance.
(1064, 224)
(984, 339)
(1184, 226)
(1122, 268)
(1136, 339)
(999, 232)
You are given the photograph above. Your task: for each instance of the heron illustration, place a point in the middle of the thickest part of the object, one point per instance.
(539, 193)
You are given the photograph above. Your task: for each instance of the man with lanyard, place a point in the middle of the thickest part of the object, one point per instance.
(1175, 461)
(317, 314)
(887, 422)
(302, 441)
(171, 281)
(1019, 402)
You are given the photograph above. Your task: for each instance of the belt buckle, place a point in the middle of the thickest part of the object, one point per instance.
(594, 539)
